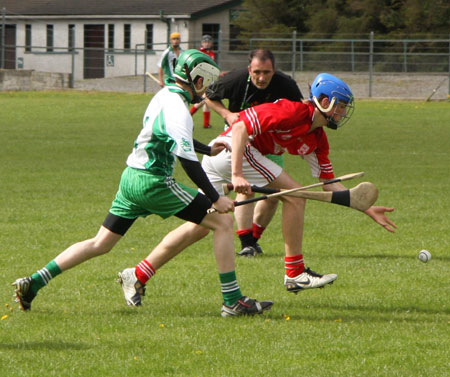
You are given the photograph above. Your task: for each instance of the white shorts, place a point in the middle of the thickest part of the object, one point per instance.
(257, 169)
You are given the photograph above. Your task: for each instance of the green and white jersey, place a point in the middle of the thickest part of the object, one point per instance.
(167, 133)
(167, 62)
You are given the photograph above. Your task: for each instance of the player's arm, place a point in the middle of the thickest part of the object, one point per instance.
(196, 173)
(239, 140)
(213, 150)
(220, 109)
(376, 213)
(161, 77)
(160, 69)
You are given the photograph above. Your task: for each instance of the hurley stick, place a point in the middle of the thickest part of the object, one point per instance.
(360, 197)
(227, 187)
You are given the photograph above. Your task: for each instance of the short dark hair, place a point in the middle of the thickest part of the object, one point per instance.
(262, 55)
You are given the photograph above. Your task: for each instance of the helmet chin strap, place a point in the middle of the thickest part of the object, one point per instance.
(330, 121)
(196, 98)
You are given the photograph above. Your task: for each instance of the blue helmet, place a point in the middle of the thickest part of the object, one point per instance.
(337, 91)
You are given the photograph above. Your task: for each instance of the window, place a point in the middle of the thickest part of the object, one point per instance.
(49, 38)
(111, 36)
(127, 36)
(235, 43)
(71, 37)
(28, 38)
(149, 36)
(213, 31)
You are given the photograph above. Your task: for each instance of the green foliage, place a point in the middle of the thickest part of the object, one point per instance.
(330, 17)
(387, 315)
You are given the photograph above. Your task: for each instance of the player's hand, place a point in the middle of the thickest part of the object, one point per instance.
(224, 205)
(219, 146)
(378, 214)
(232, 118)
(241, 185)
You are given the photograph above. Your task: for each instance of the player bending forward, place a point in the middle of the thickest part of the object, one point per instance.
(148, 187)
(296, 128)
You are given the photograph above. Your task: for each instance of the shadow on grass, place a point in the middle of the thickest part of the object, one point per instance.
(349, 256)
(387, 256)
(366, 313)
(44, 345)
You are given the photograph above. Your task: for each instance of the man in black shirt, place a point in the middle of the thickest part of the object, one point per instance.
(246, 87)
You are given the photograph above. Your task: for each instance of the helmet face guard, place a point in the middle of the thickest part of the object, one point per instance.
(192, 64)
(338, 93)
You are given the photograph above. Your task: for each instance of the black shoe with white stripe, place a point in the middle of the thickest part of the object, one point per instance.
(246, 306)
(251, 251)
(24, 294)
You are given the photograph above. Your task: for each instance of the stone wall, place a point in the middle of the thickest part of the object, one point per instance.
(11, 79)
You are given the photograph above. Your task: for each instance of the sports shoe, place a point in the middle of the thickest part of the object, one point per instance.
(133, 289)
(246, 306)
(308, 279)
(207, 126)
(251, 251)
(24, 294)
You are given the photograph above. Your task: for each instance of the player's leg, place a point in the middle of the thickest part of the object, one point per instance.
(265, 210)
(184, 236)
(235, 304)
(206, 116)
(27, 288)
(297, 276)
(259, 170)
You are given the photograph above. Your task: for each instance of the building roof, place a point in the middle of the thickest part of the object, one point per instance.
(190, 8)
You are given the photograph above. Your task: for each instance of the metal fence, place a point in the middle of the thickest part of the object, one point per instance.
(294, 55)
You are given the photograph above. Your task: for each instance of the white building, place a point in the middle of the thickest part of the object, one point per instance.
(103, 38)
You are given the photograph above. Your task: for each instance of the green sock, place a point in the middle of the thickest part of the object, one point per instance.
(230, 288)
(43, 276)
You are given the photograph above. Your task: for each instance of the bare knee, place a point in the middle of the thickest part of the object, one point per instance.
(223, 223)
(99, 246)
(297, 203)
(227, 223)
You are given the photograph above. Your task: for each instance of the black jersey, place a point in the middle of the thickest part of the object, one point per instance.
(237, 87)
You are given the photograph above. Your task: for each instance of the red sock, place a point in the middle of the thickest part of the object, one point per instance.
(206, 118)
(243, 232)
(144, 271)
(193, 110)
(246, 237)
(294, 265)
(258, 231)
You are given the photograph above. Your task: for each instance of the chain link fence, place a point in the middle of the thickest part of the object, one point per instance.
(414, 67)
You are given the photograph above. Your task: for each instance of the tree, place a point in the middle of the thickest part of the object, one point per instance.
(331, 17)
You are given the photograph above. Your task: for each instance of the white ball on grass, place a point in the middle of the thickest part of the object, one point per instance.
(424, 256)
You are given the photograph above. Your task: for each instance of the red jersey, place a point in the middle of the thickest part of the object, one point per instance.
(285, 125)
(210, 53)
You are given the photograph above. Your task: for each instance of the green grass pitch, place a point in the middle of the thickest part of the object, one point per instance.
(388, 314)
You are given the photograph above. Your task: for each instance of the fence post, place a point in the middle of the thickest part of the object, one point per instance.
(135, 59)
(370, 63)
(72, 78)
(145, 69)
(301, 55)
(352, 47)
(294, 47)
(2, 40)
(405, 58)
(219, 47)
